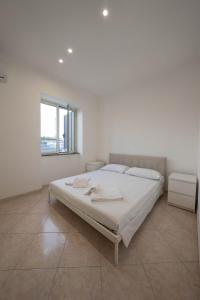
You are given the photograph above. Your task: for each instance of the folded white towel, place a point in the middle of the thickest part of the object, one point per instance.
(104, 195)
(97, 193)
(94, 188)
(79, 182)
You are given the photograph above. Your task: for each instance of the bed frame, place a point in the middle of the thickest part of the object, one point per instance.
(151, 162)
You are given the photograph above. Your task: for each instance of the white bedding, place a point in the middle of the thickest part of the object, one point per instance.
(123, 217)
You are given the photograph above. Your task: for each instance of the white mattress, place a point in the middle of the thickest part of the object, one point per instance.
(139, 195)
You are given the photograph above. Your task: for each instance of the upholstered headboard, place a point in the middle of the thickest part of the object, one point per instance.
(140, 161)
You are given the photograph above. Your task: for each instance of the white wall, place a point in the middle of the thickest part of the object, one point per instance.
(158, 118)
(21, 167)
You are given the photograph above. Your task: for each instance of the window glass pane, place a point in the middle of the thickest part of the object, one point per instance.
(63, 136)
(57, 129)
(48, 128)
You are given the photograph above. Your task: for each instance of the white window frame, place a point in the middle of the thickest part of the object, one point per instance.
(69, 108)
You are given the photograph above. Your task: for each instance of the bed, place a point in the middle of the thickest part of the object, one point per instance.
(118, 220)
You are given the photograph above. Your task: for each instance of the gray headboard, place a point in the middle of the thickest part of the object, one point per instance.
(140, 161)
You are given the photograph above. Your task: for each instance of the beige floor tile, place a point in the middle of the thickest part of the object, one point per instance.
(165, 216)
(33, 196)
(30, 223)
(92, 235)
(27, 285)
(8, 222)
(127, 256)
(186, 219)
(58, 222)
(152, 248)
(41, 207)
(44, 251)
(80, 251)
(44, 193)
(79, 224)
(125, 282)
(183, 242)
(148, 223)
(172, 281)
(3, 277)
(161, 217)
(12, 249)
(161, 203)
(87, 231)
(17, 205)
(77, 283)
(177, 220)
(167, 236)
(59, 206)
(193, 269)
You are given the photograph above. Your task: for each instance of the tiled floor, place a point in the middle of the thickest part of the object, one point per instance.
(47, 252)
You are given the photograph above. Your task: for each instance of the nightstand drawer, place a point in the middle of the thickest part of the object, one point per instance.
(181, 201)
(182, 187)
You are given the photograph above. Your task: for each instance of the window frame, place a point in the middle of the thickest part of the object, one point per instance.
(68, 108)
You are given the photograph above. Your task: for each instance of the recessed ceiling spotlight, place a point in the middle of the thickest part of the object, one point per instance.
(61, 61)
(105, 12)
(70, 50)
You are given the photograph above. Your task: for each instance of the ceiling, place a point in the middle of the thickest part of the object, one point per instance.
(139, 39)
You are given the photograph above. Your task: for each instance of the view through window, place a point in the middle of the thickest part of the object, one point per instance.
(57, 128)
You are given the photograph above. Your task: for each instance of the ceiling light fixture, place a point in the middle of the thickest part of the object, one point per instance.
(70, 50)
(61, 61)
(105, 12)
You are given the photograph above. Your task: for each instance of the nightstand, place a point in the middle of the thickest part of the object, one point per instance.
(182, 190)
(94, 165)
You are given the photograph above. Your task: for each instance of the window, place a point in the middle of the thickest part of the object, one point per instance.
(57, 128)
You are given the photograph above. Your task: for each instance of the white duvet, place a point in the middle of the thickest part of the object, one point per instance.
(123, 217)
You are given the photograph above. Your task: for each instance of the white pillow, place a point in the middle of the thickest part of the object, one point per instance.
(115, 168)
(144, 173)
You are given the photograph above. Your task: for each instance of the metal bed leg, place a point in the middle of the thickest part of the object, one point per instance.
(116, 252)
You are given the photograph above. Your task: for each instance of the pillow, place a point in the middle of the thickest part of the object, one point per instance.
(115, 168)
(144, 173)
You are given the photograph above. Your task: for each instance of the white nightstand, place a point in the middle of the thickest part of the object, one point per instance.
(94, 165)
(182, 190)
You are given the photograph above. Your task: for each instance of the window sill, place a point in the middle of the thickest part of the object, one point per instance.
(59, 154)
